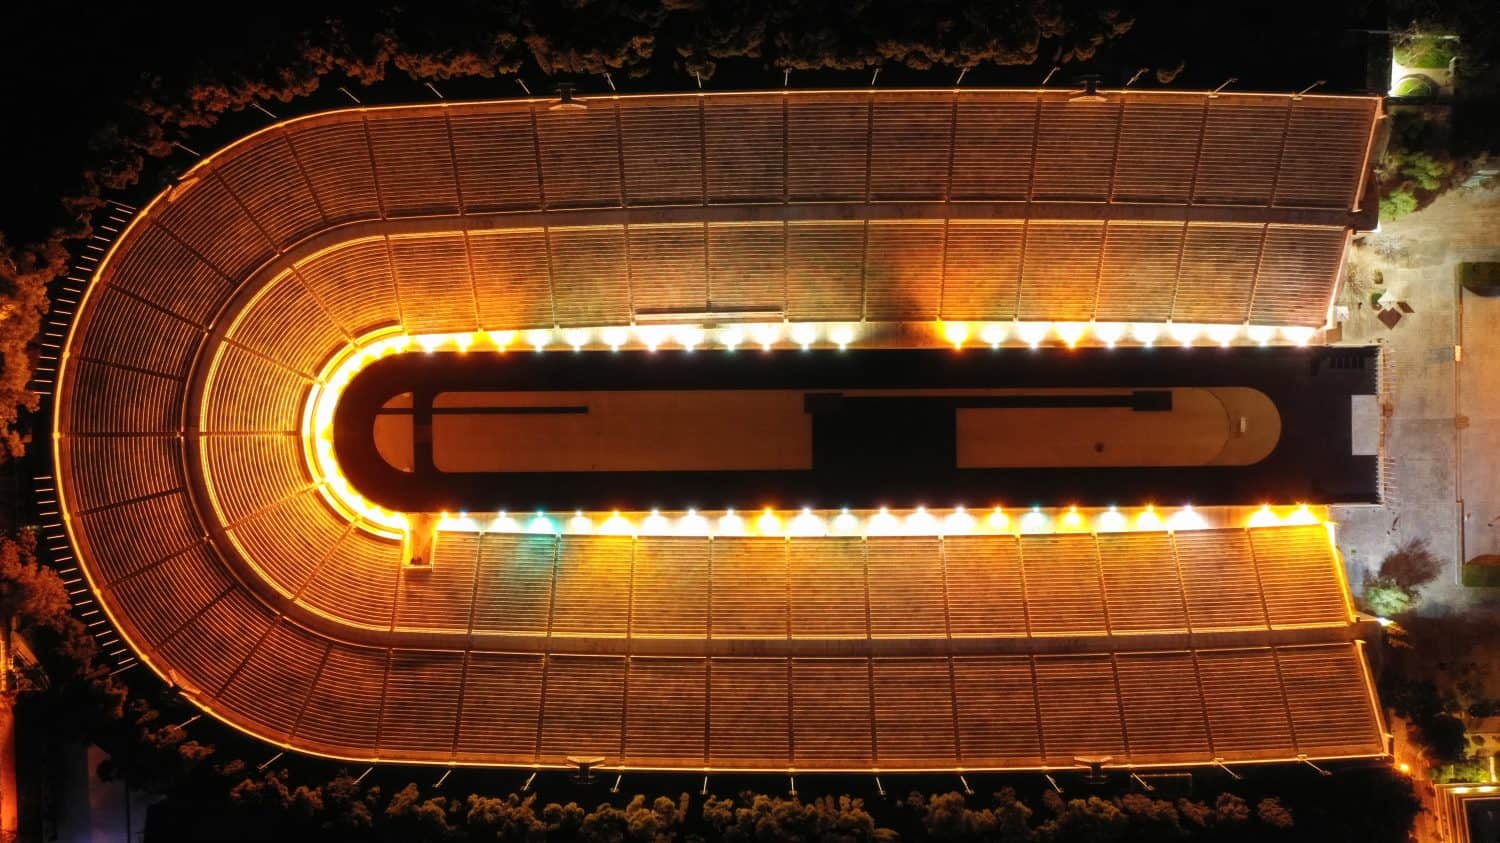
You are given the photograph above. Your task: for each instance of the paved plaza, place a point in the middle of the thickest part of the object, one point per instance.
(1444, 424)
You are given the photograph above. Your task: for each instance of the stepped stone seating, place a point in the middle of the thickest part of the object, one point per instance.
(180, 458)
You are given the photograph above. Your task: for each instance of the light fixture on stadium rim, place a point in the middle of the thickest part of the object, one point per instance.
(883, 523)
(688, 336)
(1070, 332)
(1071, 519)
(1148, 519)
(651, 336)
(1223, 334)
(656, 524)
(614, 337)
(955, 333)
(580, 523)
(1034, 521)
(807, 524)
(765, 334)
(732, 336)
(576, 337)
(1184, 332)
(1302, 516)
(1111, 521)
(804, 334)
(1297, 335)
(993, 333)
(845, 523)
(1260, 334)
(1109, 333)
(841, 336)
(1032, 333)
(731, 524)
(1264, 517)
(958, 522)
(501, 339)
(1186, 518)
(538, 338)
(692, 524)
(920, 522)
(541, 525)
(615, 525)
(1145, 333)
(998, 520)
(768, 523)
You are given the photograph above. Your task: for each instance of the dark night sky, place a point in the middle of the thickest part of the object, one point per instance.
(67, 68)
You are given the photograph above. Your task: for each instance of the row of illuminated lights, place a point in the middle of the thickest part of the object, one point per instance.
(841, 335)
(317, 426)
(810, 523)
(767, 336)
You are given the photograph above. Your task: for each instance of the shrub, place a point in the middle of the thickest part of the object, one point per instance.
(1425, 51)
(1427, 171)
(1385, 598)
(1415, 86)
(1397, 204)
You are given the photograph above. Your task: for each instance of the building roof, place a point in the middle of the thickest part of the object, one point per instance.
(182, 447)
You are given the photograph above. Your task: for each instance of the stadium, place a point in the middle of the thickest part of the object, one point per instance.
(233, 379)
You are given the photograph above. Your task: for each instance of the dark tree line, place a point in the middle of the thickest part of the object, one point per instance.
(267, 804)
(1369, 806)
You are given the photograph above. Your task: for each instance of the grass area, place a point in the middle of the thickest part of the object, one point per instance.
(1415, 86)
(1426, 51)
(1481, 575)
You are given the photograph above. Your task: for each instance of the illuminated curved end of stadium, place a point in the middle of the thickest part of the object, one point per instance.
(990, 519)
(317, 431)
